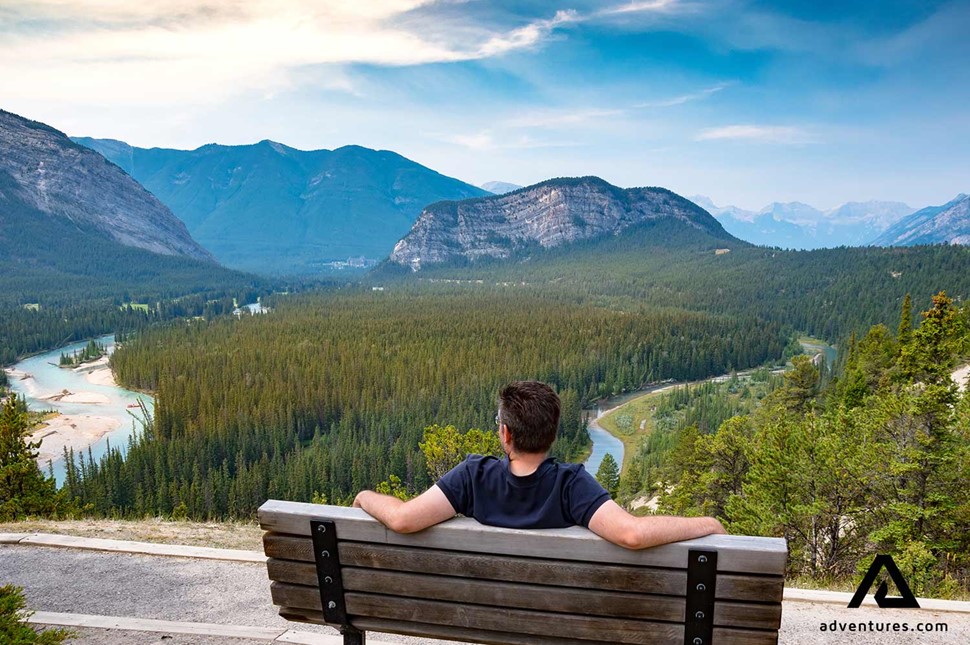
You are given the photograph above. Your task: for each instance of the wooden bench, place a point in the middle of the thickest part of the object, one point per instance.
(464, 581)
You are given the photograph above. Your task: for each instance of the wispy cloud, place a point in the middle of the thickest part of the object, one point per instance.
(527, 36)
(179, 51)
(639, 7)
(559, 118)
(573, 116)
(489, 140)
(760, 133)
(683, 98)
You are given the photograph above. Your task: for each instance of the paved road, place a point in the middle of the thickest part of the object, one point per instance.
(235, 593)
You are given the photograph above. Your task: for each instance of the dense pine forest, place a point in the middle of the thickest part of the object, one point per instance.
(827, 293)
(332, 393)
(876, 460)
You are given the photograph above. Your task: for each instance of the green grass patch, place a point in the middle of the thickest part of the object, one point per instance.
(631, 422)
(36, 419)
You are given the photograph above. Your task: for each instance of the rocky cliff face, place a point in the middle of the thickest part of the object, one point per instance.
(947, 224)
(42, 168)
(549, 214)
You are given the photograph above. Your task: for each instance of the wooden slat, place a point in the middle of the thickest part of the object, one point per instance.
(514, 596)
(639, 632)
(670, 582)
(297, 573)
(735, 553)
(735, 586)
(722, 635)
(538, 571)
(436, 631)
(519, 596)
(496, 594)
(726, 636)
(728, 613)
(466, 635)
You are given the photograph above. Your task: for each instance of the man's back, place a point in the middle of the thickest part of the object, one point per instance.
(555, 495)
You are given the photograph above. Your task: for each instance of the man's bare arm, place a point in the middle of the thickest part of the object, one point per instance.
(614, 524)
(427, 509)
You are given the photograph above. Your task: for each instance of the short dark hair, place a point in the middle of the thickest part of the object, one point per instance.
(531, 411)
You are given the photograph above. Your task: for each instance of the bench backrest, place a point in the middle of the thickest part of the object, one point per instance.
(462, 580)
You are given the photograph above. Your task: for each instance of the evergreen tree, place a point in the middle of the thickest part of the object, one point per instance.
(13, 622)
(446, 447)
(23, 488)
(905, 321)
(801, 386)
(608, 474)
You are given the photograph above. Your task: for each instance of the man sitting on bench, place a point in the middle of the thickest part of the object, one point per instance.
(528, 489)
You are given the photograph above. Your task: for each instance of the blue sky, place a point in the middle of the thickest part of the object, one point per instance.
(746, 102)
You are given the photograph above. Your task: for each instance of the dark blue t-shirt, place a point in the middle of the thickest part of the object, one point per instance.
(556, 495)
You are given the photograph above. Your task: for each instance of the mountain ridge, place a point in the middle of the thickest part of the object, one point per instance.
(270, 208)
(75, 228)
(548, 214)
(945, 224)
(47, 172)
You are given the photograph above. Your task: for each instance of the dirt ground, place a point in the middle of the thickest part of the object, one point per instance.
(245, 536)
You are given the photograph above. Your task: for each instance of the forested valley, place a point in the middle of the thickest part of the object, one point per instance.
(337, 389)
(331, 393)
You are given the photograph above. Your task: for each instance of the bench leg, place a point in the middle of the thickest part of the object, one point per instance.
(353, 636)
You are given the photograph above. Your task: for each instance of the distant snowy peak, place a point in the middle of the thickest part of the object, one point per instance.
(883, 214)
(717, 211)
(802, 226)
(499, 187)
(793, 212)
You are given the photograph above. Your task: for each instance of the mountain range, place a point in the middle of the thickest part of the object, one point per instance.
(796, 225)
(549, 214)
(272, 209)
(946, 224)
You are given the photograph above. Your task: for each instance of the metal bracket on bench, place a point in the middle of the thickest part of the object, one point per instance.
(701, 580)
(324, 535)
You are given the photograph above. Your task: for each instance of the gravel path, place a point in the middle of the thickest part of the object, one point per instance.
(163, 588)
(232, 593)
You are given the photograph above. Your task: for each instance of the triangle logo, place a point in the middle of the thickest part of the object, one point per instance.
(906, 599)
